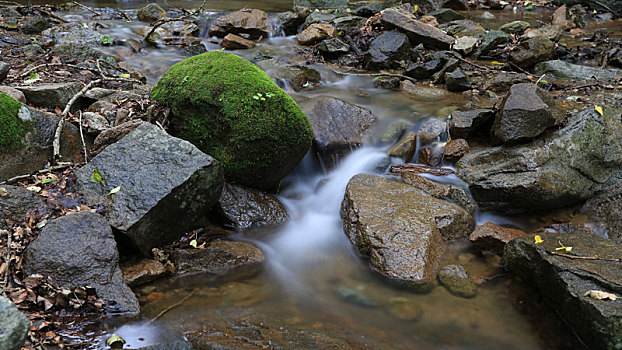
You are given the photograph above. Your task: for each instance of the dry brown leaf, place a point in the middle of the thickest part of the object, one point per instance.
(600, 295)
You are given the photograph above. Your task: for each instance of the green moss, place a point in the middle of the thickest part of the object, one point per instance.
(232, 110)
(11, 127)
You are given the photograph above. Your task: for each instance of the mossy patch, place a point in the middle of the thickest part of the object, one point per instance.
(11, 127)
(232, 110)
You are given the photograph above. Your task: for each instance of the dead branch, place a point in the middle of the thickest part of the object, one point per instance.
(372, 74)
(38, 172)
(86, 154)
(581, 257)
(170, 308)
(47, 65)
(53, 15)
(160, 22)
(469, 62)
(88, 9)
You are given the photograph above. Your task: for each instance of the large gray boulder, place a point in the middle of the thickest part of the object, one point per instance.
(245, 207)
(568, 166)
(79, 249)
(564, 282)
(568, 70)
(525, 113)
(14, 326)
(16, 202)
(418, 32)
(400, 228)
(387, 50)
(605, 211)
(338, 126)
(167, 186)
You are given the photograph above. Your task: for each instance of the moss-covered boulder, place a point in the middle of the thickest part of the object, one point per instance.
(232, 110)
(10, 124)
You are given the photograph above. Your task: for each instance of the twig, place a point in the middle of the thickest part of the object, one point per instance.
(581, 86)
(53, 15)
(86, 155)
(519, 68)
(88, 8)
(126, 16)
(9, 3)
(8, 260)
(47, 65)
(160, 22)
(469, 62)
(170, 308)
(580, 257)
(38, 172)
(542, 76)
(373, 74)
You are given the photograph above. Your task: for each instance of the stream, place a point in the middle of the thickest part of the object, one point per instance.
(314, 292)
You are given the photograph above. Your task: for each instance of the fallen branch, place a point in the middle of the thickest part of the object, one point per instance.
(418, 168)
(86, 154)
(38, 172)
(169, 308)
(47, 65)
(88, 9)
(53, 15)
(581, 257)
(373, 74)
(160, 22)
(582, 86)
(469, 62)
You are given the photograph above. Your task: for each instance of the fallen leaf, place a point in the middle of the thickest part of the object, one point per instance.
(193, 243)
(538, 239)
(563, 248)
(97, 177)
(600, 295)
(3, 192)
(35, 189)
(115, 342)
(598, 109)
(114, 190)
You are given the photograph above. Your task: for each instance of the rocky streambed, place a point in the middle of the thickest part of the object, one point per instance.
(434, 174)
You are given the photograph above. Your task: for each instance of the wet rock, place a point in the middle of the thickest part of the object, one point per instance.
(493, 237)
(286, 73)
(13, 93)
(430, 130)
(455, 149)
(487, 16)
(395, 129)
(503, 81)
(288, 22)
(35, 25)
(151, 12)
(235, 42)
(550, 32)
(245, 207)
(431, 155)
(491, 40)
(416, 31)
(407, 247)
(525, 113)
(387, 50)
(251, 22)
(219, 258)
(405, 147)
(421, 91)
(338, 126)
(515, 27)
(318, 17)
(169, 344)
(451, 64)
(457, 281)
(445, 15)
(462, 198)
(464, 123)
(605, 211)
(424, 70)
(458, 5)
(432, 188)
(404, 309)
(560, 18)
(464, 27)
(315, 33)
(89, 257)
(387, 82)
(167, 185)
(465, 44)
(4, 70)
(14, 325)
(543, 174)
(568, 70)
(355, 296)
(333, 47)
(457, 81)
(344, 23)
(50, 95)
(96, 123)
(141, 272)
(109, 136)
(533, 51)
(16, 203)
(322, 4)
(564, 282)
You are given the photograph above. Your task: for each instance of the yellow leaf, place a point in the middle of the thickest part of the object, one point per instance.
(115, 341)
(564, 249)
(598, 109)
(538, 239)
(114, 190)
(193, 243)
(600, 295)
(495, 63)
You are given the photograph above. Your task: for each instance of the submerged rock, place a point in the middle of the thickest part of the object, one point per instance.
(418, 32)
(493, 237)
(246, 207)
(387, 50)
(17, 202)
(79, 249)
(166, 186)
(544, 174)
(457, 281)
(219, 258)
(14, 325)
(338, 126)
(568, 70)
(251, 22)
(400, 228)
(564, 282)
(605, 210)
(355, 296)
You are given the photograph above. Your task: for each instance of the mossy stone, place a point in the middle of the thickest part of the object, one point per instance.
(232, 110)
(10, 124)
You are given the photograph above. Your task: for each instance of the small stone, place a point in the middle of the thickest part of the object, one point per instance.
(50, 95)
(405, 146)
(465, 44)
(316, 32)
(96, 123)
(560, 18)
(4, 70)
(404, 309)
(14, 93)
(101, 107)
(114, 134)
(431, 155)
(433, 188)
(151, 12)
(445, 15)
(457, 281)
(424, 70)
(235, 42)
(355, 296)
(387, 50)
(35, 25)
(515, 27)
(493, 237)
(219, 258)
(533, 51)
(14, 325)
(333, 47)
(457, 81)
(17, 202)
(430, 20)
(251, 22)
(418, 32)
(431, 130)
(491, 40)
(455, 149)
(245, 207)
(141, 272)
(487, 16)
(387, 82)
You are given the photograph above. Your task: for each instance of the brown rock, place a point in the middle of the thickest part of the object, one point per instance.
(13, 92)
(235, 42)
(144, 271)
(493, 237)
(315, 33)
(430, 155)
(417, 31)
(431, 20)
(246, 21)
(114, 134)
(560, 18)
(455, 149)
(218, 258)
(405, 146)
(433, 188)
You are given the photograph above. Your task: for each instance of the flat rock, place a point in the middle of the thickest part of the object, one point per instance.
(141, 272)
(333, 47)
(88, 257)
(400, 228)
(605, 211)
(568, 70)
(417, 32)
(387, 50)
(14, 326)
(322, 4)
(17, 202)
(219, 258)
(245, 207)
(167, 185)
(252, 22)
(315, 33)
(338, 126)
(464, 123)
(50, 95)
(564, 282)
(236, 42)
(111, 135)
(493, 237)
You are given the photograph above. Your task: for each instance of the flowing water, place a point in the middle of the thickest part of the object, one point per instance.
(314, 291)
